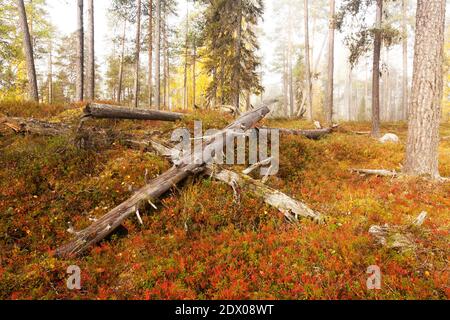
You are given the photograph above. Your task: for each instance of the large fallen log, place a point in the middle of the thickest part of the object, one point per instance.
(153, 190)
(291, 208)
(37, 127)
(314, 134)
(104, 111)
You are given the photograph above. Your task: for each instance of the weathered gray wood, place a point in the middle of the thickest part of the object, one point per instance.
(109, 222)
(291, 208)
(104, 111)
(383, 173)
(314, 134)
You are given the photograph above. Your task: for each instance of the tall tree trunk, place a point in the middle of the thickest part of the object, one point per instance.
(308, 64)
(91, 53)
(28, 48)
(50, 74)
(137, 55)
(290, 71)
(237, 58)
(79, 90)
(376, 73)
(285, 83)
(150, 53)
(330, 82)
(164, 44)
(426, 98)
(405, 61)
(194, 70)
(122, 57)
(186, 45)
(158, 55)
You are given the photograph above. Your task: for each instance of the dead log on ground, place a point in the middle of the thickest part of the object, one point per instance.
(291, 208)
(36, 127)
(382, 173)
(153, 190)
(314, 134)
(104, 111)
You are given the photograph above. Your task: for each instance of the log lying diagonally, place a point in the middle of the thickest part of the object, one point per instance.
(291, 208)
(314, 134)
(109, 222)
(105, 111)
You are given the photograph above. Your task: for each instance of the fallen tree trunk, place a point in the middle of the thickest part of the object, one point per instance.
(291, 208)
(104, 111)
(109, 222)
(383, 173)
(314, 134)
(37, 127)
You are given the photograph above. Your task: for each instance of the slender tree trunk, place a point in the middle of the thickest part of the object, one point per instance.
(91, 53)
(330, 82)
(28, 48)
(50, 74)
(79, 94)
(137, 55)
(186, 45)
(285, 83)
(164, 53)
(237, 58)
(427, 90)
(122, 57)
(150, 53)
(158, 55)
(308, 64)
(290, 71)
(376, 73)
(405, 61)
(194, 70)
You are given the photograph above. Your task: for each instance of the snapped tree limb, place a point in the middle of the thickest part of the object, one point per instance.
(314, 134)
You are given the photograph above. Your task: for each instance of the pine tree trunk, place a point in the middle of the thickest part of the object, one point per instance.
(186, 44)
(79, 91)
(308, 65)
(158, 55)
(285, 83)
(194, 70)
(50, 75)
(426, 98)
(122, 57)
(164, 43)
(376, 73)
(330, 82)
(237, 58)
(405, 61)
(290, 72)
(29, 55)
(91, 53)
(137, 55)
(150, 53)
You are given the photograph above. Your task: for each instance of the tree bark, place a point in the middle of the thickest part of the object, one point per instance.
(122, 57)
(290, 71)
(79, 94)
(405, 61)
(29, 55)
(309, 98)
(427, 90)
(103, 111)
(50, 74)
(158, 55)
(330, 82)
(237, 58)
(186, 45)
(91, 53)
(137, 55)
(156, 188)
(150, 53)
(376, 72)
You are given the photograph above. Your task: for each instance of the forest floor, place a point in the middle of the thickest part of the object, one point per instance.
(200, 244)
